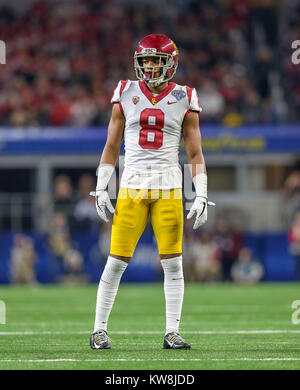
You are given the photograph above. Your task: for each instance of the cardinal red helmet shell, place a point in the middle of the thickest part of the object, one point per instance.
(162, 48)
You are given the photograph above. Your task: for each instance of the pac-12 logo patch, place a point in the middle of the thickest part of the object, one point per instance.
(178, 94)
(135, 99)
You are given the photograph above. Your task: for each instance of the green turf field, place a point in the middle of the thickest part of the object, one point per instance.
(228, 326)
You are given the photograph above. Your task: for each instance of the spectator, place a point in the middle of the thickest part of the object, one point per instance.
(73, 266)
(229, 240)
(262, 68)
(211, 101)
(292, 187)
(251, 108)
(205, 254)
(64, 198)
(67, 261)
(85, 211)
(83, 110)
(59, 236)
(22, 260)
(246, 270)
(291, 193)
(294, 239)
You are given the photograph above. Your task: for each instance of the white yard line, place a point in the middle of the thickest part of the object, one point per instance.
(142, 360)
(204, 332)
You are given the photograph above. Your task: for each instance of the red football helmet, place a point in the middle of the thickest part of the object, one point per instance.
(162, 47)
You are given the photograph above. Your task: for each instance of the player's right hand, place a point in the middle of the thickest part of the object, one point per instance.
(102, 201)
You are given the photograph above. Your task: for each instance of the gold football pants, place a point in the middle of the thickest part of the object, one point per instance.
(131, 215)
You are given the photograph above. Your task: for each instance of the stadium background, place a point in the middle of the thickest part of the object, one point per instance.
(63, 60)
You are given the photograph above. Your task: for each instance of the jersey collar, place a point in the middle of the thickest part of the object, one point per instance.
(155, 99)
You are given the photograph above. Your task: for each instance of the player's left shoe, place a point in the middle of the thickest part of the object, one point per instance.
(174, 341)
(100, 340)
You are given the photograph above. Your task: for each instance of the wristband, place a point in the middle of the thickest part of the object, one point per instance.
(200, 183)
(104, 173)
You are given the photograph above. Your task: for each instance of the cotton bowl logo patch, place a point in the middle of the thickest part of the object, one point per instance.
(178, 94)
(135, 99)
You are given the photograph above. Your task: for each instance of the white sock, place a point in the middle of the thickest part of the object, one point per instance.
(174, 291)
(107, 290)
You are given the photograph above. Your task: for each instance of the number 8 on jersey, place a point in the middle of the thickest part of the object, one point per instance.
(151, 122)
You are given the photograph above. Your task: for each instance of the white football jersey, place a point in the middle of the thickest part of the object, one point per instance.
(153, 128)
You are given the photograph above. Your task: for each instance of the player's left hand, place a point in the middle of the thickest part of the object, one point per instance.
(200, 208)
(102, 202)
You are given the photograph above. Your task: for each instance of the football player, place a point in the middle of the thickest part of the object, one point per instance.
(151, 114)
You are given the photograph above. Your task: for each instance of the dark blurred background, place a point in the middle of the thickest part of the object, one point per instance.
(63, 61)
(65, 57)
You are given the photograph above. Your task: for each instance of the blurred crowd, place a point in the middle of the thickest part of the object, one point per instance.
(218, 253)
(64, 58)
(73, 209)
(210, 254)
(292, 199)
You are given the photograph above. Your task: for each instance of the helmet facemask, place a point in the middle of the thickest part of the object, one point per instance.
(165, 65)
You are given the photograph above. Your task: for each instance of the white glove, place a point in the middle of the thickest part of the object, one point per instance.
(200, 208)
(104, 173)
(102, 201)
(200, 203)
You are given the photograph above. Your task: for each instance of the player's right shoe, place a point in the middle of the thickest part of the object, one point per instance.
(100, 340)
(174, 341)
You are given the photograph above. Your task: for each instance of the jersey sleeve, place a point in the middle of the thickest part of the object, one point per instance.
(194, 103)
(122, 85)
